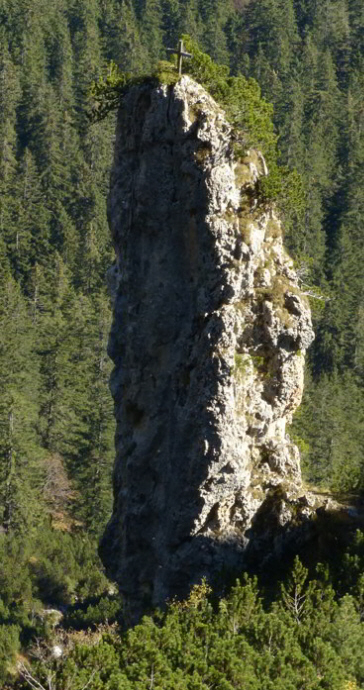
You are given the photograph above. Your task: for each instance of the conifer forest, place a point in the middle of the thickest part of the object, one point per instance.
(303, 629)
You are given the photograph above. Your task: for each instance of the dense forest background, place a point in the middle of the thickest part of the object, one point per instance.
(56, 423)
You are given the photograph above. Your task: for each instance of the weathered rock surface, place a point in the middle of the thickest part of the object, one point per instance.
(209, 336)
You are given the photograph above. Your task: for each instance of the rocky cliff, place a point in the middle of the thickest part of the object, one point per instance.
(209, 337)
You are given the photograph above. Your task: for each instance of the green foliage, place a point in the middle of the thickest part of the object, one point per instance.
(240, 97)
(304, 637)
(9, 646)
(105, 610)
(107, 92)
(252, 115)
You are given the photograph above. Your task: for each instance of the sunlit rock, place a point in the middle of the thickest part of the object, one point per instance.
(209, 338)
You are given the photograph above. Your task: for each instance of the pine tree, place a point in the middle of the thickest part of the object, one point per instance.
(20, 464)
(151, 30)
(122, 41)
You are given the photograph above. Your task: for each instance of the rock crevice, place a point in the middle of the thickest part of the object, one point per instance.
(209, 335)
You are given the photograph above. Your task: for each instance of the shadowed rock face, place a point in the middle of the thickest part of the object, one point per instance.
(208, 340)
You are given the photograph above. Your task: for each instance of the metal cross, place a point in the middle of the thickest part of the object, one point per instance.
(180, 52)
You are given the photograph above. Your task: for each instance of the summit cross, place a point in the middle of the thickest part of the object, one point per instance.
(181, 53)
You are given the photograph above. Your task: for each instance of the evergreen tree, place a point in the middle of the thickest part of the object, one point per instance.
(21, 475)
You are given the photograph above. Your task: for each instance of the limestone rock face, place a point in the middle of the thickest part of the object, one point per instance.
(209, 336)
